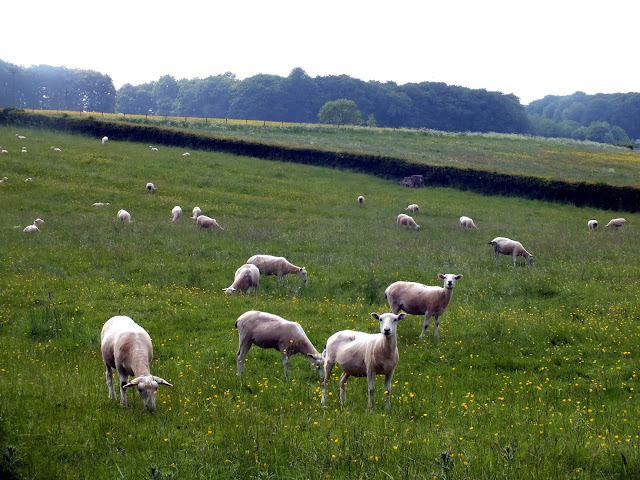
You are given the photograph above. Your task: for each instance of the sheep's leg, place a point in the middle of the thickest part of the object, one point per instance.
(343, 387)
(241, 355)
(496, 254)
(436, 331)
(112, 391)
(387, 386)
(286, 359)
(124, 379)
(327, 373)
(371, 381)
(425, 324)
(514, 259)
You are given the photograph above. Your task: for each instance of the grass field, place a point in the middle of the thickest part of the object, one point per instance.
(535, 374)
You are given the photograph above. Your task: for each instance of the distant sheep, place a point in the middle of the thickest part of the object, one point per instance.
(506, 246)
(4, 179)
(105, 140)
(280, 266)
(412, 208)
(176, 213)
(24, 150)
(406, 220)
(418, 299)
(55, 149)
(245, 278)
(362, 354)
(152, 148)
(100, 204)
(271, 331)
(616, 222)
(186, 154)
(360, 199)
(34, 228)
(28, 179)
(126, 346)
(466, 222)
(196, 212)
(124, 216)
(151, 188)
(592, 225)
(20, 137)
(207, 222)
(3, 151)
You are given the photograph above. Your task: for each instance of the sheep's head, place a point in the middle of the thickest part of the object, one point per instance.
(529, 259)
(147, 386)
(302, 273)
(317, 362)
(38, 221)
(388, 322)
(449, 279)
(230, 290)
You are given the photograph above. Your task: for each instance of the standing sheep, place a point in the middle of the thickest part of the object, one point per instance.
(418, 299)
(506, 246)
(592, 225)
(616, 222)
(126, 346)
(124, 216)
(245, 278)
(466, 222)
(207, 222)
(406, 220)
(196, 212)
(362, 354)
(105, 140)
(176, 213)
(271, 331)
(280, 266)
(412, 208)
(151, 188)
(361, 200)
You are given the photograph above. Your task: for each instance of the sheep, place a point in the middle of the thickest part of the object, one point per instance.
(362, 354)
(196, 212)
(153, 149)
(245, 278)
(407, 221)
(4, 179)
(280, 266)
(34, 228)
(466, 222)
(616, 222)
(55, 149)
(186, 154)
(267, 330)
(412, 208)
(3, 151)
(28, 179)
(24, 150)
(176, 213)
(126, 346)
(506, 246)
(105, 140)
(592, 225)
(21, 137)
(360, 199)
(207, 222)
(418, 299)
(124, 216)
(101, 204)
(151, 188)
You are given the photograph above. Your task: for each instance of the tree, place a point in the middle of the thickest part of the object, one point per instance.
(599, 132)
(340, 112)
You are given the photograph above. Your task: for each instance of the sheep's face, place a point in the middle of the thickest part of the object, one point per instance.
(449, 279)
(388, 322)
(147, 387)
(302, 273)
(317, 362)
(230, 291)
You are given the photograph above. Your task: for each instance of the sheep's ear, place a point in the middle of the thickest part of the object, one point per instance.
(162, 381)
(132, 383)
(441, 276)
(401, 316)
(376, 316)
(458, 277)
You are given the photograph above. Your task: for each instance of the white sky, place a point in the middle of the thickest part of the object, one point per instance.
(529, 48)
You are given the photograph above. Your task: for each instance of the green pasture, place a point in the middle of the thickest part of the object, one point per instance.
(535, 374)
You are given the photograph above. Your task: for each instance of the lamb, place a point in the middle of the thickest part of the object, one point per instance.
(506, 246)
(360, 199)
(418, 299)
(467, 222)
(124, 216)
(412, 208)
(362, 354)
(280, 266)
(592, 225)
(176, 213)
(207, 222)
(126, 346)
(34, 228)
(267, 330)
(151, 188)
(105, 140)
(407, 221)
(245, 278)
(616, 222)
(196, 212)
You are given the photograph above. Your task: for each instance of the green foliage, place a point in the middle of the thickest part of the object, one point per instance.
(340, 112)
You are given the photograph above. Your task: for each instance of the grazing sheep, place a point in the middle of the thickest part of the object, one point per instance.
(28, 179)
(105, 140)
(55, 149)
(3, 151)
(616, 222)
(126, 346)
(196, 212)
(153, 149)
(176, 213)
(592, 225)
(245, 278)
(124, 216)
(467, 222)
(280, 266)
(24, 150)
(360, 199)
(4, 179)
(151, 188)
(418, 299)
(362, 354)
(412, 208)
(186, 154)
(408, 221)
(271, 331)
(207, 222)
(506, 246)
(34, 228)
(100, 204)
(21, 137)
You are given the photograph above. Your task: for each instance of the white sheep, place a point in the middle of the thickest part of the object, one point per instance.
(418, 299)
(506, 246)
(105, 140)
(360, 199)
(126, 346)
(28, 179)
(100, 204)
(3, 151)
(152, 148)
(151, 188)
(20, 137)
(280, 266)
(24, 150)
(592, 225)
(412, 208)
(34, 228)
(186, 154)
(466, 222)
(406, 220)
(362, 354)
(267, 330)
(196, 212)
(176, 213)
(616, 222)
(245, 278)
(55, 149)
(124, 216)
(4, 179)
(207, 222)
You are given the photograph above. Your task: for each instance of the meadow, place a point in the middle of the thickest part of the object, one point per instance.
(534, 375)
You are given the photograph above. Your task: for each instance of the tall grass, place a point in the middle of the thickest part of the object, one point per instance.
(535, 375)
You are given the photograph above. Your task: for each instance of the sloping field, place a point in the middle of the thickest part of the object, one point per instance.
(535, 374)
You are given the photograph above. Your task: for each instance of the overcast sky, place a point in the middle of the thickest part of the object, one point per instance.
(528, 48)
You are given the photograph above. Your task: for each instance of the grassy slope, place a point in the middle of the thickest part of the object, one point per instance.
(534, 376)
